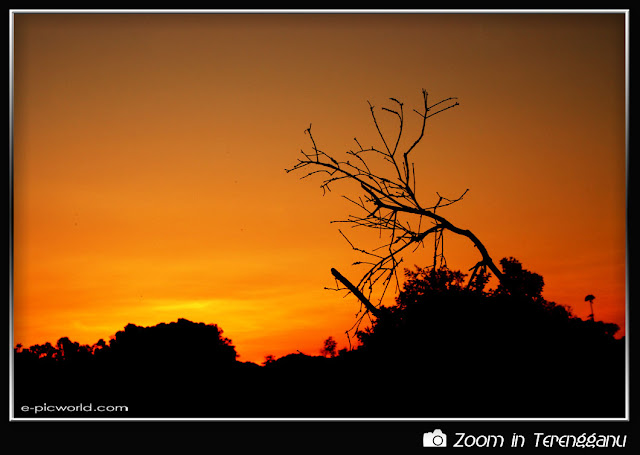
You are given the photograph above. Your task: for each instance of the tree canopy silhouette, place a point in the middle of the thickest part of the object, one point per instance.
(181, 342)
(153, 370)
(499, 353)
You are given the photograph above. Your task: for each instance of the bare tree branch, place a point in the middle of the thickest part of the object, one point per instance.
(389, 202)
(375, 311)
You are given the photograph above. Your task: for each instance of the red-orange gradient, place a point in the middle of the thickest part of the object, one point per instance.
(149, 156)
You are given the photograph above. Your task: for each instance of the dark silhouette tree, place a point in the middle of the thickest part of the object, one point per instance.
(384, 175)
(164, 369)
(99, 346)
(515, 348)
(175, 344)
(590, 298)
(330, 347)
(519, 282)
(46, 350)
(72, 351)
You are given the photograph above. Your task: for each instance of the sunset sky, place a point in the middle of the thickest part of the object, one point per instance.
(150, 150)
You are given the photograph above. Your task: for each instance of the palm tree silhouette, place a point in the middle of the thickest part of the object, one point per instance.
(590, 299)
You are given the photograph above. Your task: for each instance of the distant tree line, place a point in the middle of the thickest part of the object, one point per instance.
(443, 349)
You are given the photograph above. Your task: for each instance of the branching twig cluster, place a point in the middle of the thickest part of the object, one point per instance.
(388, 202)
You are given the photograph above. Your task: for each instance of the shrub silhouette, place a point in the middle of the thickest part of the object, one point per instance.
(329, 349)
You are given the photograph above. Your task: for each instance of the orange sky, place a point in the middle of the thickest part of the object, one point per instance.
(149, 156)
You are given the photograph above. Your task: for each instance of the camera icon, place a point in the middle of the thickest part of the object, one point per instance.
(434, 439)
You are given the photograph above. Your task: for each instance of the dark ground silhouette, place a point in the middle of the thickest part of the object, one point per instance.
(444, 350)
